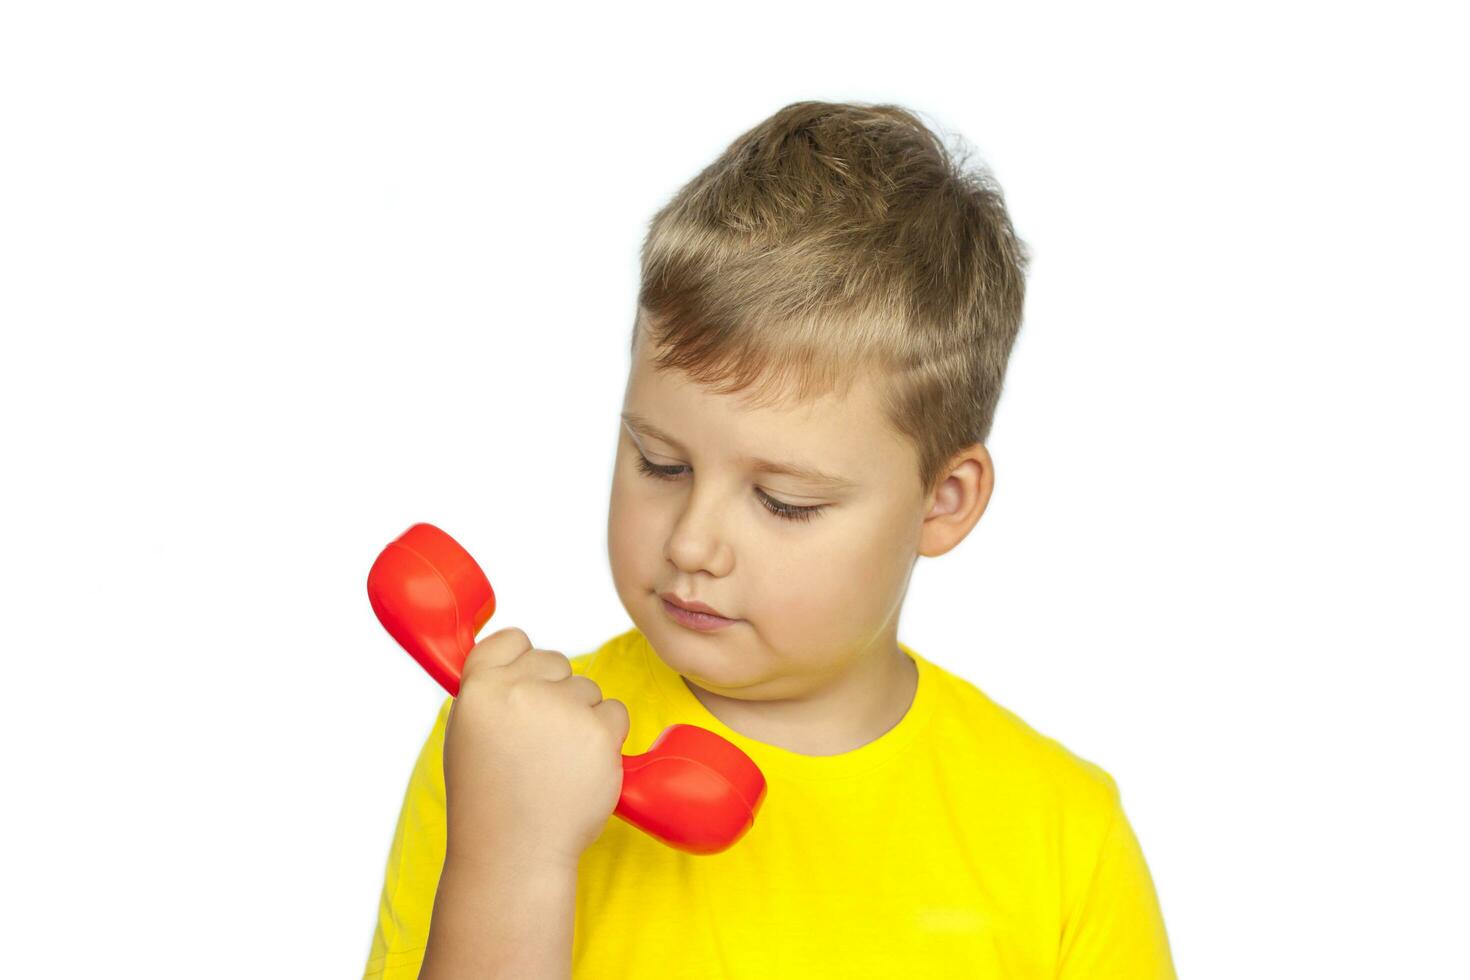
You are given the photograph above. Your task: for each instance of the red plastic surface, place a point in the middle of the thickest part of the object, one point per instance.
(692, 789)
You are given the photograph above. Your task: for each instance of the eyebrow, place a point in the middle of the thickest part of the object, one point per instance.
(805, 473)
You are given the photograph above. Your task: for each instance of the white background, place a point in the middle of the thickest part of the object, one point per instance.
(279, 279)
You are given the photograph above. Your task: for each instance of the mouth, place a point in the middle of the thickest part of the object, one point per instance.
(691, 605)
(694, 618)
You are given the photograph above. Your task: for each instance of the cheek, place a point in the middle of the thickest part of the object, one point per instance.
(841, 577)
(629, 530)
(809, 573)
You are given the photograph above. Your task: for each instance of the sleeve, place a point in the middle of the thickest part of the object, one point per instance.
(1116, 929)
(415, 861)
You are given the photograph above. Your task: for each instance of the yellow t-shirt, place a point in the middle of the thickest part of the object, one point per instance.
(960, 843)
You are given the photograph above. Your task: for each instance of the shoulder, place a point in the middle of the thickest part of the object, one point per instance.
(1052, 807)
(1034, 767)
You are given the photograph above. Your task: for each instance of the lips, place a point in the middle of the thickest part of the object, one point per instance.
(693, 605)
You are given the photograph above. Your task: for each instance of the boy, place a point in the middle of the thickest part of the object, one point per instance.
(823, 325)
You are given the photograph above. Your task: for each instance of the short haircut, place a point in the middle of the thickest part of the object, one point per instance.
(834, 241)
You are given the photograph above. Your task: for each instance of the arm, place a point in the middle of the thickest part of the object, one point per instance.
(502, 918)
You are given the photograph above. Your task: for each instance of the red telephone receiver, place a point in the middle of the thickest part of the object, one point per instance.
(692, 789)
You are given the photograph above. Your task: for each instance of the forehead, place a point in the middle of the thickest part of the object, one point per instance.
(843, 434)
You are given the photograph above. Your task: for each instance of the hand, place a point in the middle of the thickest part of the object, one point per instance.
(533, 761)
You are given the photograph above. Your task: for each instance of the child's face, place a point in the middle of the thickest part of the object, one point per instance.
(812, 598)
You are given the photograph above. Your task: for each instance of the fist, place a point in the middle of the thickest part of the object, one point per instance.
(533, 763)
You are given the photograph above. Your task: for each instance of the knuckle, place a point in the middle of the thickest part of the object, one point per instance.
(523, 692)
(548, 662)
(585, 686)
(516, 692)
(511, 633)
(497, 649)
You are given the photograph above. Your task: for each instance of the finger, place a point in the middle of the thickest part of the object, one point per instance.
(584, 689)
(497, 650)
(614, 714)
(549, 665)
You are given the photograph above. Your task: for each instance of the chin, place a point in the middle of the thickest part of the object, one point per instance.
(713, 668)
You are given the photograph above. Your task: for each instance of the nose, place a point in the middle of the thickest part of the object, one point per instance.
(697, 541)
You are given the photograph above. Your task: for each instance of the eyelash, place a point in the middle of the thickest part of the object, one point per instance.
(787, 512)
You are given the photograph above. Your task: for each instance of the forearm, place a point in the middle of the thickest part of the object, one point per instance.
(498, 919)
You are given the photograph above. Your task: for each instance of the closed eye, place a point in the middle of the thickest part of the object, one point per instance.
(785, 511)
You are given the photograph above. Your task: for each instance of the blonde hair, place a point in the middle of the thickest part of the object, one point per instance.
(834, 241)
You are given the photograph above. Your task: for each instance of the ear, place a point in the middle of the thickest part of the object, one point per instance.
(955, 505)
